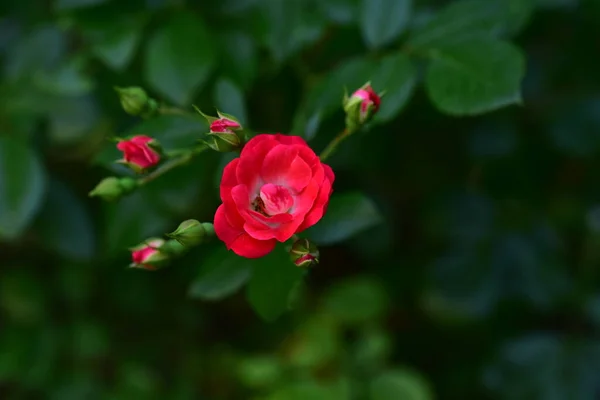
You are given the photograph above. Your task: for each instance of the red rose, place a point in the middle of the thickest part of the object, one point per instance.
(276, 188)
(137, 153)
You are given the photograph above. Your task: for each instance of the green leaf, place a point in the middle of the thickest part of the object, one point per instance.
(222, 274)
(41, 50)
(400, 384)
(356, 300)
(472, 19)
(382, 21)
(544, 366)
(68, 80)
(347, 215)
(291, 25)
(64, 225)
(239, 57)
(72, 118)
(475, 76)
(273, 279)
(22, 187)
(115, 42)
(179, 58)
(131, 220)
(397, 76)
(340, 11)
(69, 4)
(327, 94)
(230, 99)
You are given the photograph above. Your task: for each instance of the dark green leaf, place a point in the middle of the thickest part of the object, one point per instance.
(68, 4)
(400, 384)
(64, 225)
(239, 54)
(475, 76)
(347, 215)
(396, 76)
(273, 279)
(291, 25)
(542, 366)
(132, 220)
(41, 50)
(340, 11)
(382, 21)
(72, 118)
(115, 42)
(179, 58)
(230, 99)
(356, 300)
(22, 187)
(327, 95)
(472, 19)
(222, 274)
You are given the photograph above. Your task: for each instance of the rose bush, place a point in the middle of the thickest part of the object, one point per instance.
(276, 188)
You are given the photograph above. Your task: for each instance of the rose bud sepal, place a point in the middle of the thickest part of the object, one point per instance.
(192, 232)
(135, 101)
(304, 253)
(112, 188)
(172, 248)
(223, 145)
(149, 255)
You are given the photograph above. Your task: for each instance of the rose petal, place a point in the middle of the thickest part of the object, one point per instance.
(249, 167)
(229, 179)
(281, 166)
(290, 139)
(239, 241)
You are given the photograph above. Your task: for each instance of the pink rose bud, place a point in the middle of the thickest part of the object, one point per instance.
(139, 152)
(224, 125)
(361, 106)
(147, 255)
(226, 133)
(304, 253)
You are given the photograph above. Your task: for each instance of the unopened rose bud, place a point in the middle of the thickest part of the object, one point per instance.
(135, 101)
(112, 188)
(148, 255)
(304, 253)
(226, 133)
(140, 152)
(192, 232)
(361, 106)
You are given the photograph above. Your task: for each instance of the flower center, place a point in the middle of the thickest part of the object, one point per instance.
(273, 200)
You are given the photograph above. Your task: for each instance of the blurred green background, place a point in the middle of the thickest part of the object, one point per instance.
(460, 254)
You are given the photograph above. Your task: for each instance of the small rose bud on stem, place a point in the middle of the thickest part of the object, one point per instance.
(112, 188)
(135, 101)
(155, 253)
(361, 107)
(140, 153)
(304, 253)
(192, 232)
(226, 133)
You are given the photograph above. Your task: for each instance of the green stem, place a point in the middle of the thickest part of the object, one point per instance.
(164, 110)
(171, 164)
(334, 144)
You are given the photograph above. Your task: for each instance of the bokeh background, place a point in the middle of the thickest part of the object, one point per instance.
(460, 256)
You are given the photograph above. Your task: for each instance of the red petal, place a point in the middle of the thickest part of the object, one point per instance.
(283, 167)
(289, 139)
(246, 246)
(229, 178)
(250, 164)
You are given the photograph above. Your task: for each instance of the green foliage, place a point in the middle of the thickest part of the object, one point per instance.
(458, 256)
